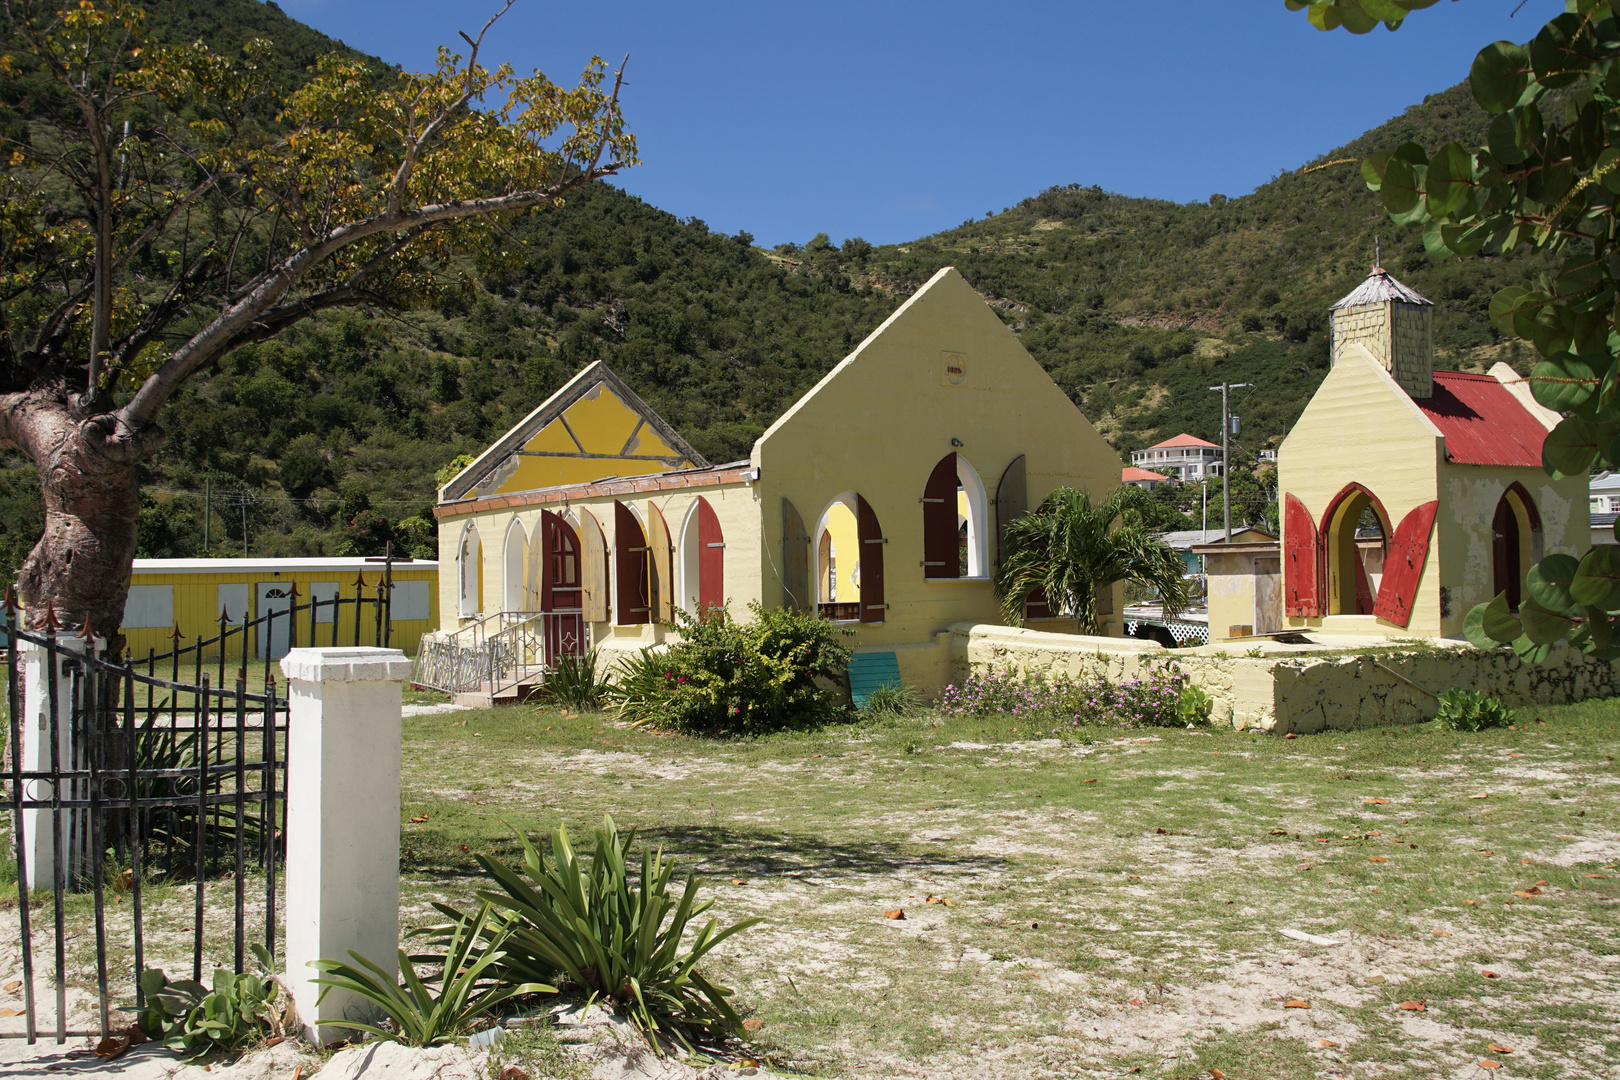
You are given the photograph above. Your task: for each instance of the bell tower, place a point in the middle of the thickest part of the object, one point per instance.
(1394, 324)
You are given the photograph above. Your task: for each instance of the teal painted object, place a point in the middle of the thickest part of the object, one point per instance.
(868, 671)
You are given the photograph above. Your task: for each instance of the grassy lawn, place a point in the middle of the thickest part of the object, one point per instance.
(1113, 905)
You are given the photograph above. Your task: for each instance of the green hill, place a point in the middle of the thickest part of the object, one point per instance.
(327, 439)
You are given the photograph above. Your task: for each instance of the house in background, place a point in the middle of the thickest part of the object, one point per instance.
(1187, 541)
(1145, 479)
(876, 500)
(1185, 457)
(191, 596)
(1605, 502)
(1444, 502)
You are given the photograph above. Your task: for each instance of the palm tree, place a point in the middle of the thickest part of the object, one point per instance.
(1070, 547)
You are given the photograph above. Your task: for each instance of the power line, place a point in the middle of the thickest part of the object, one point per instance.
(253, 496)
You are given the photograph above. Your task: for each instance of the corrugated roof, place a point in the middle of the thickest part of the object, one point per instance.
(1378, 288)
(1183, 439)
(1484, 424)
(1131, 472)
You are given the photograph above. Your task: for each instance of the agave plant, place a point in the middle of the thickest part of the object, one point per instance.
(469, 986)
(586, 920)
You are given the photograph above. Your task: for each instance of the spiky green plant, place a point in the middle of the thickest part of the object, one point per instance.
(614, 936)
(577, 683)
(1070, 547)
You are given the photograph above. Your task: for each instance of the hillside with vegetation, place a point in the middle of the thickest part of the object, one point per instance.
(327, 440)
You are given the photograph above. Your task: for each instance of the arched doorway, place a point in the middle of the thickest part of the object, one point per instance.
(703, 555)
(632, 575)
(469, 573)
(1515, 543)
(512, 567)
(954, 521)
(838, 561)
(1355, 537)
(561, 592)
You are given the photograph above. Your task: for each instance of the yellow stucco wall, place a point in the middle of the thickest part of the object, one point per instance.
(196, 601)
(1360, 426)
(1231, 592)
(884, 417)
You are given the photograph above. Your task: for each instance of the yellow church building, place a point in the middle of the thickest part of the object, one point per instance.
(1409, 495)
(876, 500)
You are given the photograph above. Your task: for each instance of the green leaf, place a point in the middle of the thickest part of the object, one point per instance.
(1549, 582)
(1450, 179)
(1503, 140)
(1597, 582)
(1607, 169)
(1543, 625)
(1373, 166)
(1355, 17)
(1500, 73)
(1497, 620)
(1555, 52)
(1402, 186)
(1563, 382)
(1503, 305)
(1581, 271)
(1474, 628)
(1529, 651)
(1570, 448)
(1324, 16)
(1465, 240)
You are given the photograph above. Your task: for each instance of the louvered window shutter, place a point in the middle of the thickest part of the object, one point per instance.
(711, 590)
(941, 558)
(872, 540)
(661, 578)
(630, 567)
(1403, 566)
(795, 560)
(593, 571)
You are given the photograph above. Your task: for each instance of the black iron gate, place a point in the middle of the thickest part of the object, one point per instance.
(137, 787)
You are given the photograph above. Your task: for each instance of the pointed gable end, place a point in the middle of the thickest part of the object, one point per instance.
(594, 427)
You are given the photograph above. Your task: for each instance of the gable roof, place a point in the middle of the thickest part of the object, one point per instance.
(1379, 288)
(1184, 439)
(1483, 422)
(495, 466)
(1131, 472)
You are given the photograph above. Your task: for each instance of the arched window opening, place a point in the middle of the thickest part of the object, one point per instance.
(838, 561)
(512, 568)
(703, 555)
(1355, 537)
(955, 515)
(633, 595)
(1515, 543)
(469, 573)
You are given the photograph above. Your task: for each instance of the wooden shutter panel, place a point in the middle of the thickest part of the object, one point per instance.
(941, 558)
(795, 560)
(630, 567)
(1301, 579)
(548, 560)
(872, 541)
(593, 571)
(711, 558)
(534, 569)
(1012, 499)
(661, 582)
(1403, 566)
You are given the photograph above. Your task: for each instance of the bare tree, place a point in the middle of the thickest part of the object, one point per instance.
(163, 206)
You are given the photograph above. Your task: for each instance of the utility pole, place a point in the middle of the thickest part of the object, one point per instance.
(1226, 457)
(208, 513)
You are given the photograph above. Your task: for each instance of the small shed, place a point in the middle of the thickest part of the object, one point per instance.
(191, 594)
(1245, 585)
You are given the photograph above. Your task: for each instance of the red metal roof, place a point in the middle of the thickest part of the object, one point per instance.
(1182, 440)
(1131, 472)
(1484, 424)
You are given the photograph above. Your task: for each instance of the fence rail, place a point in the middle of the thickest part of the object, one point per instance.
(499, 653)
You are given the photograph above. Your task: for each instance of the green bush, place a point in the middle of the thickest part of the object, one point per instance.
(1471, 710)
(1193, 706)
(577, 683)
(469, 986)
(891, 700)
(729, 678)
(587, 922)
(241, 1009)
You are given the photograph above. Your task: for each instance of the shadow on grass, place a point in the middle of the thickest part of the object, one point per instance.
(719, 850)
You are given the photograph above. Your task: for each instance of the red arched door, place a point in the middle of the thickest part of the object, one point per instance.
(711, 560)
(560, 592)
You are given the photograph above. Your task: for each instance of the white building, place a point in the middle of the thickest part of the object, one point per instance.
(1605, 493)
(1186, 457)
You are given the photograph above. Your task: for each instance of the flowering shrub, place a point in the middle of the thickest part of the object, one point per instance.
(1068, 703)
(729, 678)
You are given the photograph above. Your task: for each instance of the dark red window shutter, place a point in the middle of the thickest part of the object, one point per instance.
(630, 567)
(711, 591)
(941, 557)
(560, 566)
(1301, 578)
(870, 534)
(1403, 566)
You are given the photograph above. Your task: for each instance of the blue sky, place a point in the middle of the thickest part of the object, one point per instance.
(894, 120)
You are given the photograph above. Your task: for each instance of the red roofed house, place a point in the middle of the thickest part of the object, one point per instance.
(1440, 469)
(1142, 478)
(1186, 457)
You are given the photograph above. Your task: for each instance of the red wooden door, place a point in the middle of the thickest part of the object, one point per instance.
(1403, 566)
(632, 596)
(870, 534)
(1301, 577)
(561, 595)
(711, 590)
(941, 554)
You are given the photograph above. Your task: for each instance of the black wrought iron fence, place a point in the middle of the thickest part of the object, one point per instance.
(132, 795)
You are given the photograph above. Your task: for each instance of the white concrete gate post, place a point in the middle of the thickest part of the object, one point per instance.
(43, 831)
(342, 838)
